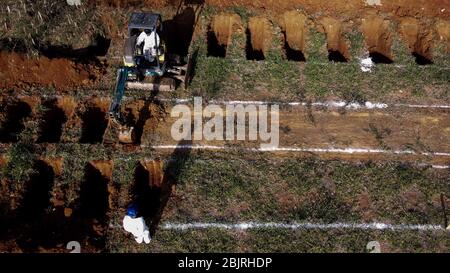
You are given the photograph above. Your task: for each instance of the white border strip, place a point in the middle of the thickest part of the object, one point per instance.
(328, 104)
(294, 149)
(299, 226)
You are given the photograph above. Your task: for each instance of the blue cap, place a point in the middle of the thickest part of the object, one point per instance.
(132, 210)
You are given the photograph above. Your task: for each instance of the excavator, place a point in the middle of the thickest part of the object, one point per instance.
(164, 73)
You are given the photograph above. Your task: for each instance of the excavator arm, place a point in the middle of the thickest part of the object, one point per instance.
(119, 90)
(126, 134)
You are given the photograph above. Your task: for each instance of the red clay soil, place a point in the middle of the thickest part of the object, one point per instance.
(443, 29)
(223, 26)
(18, 71)
(260, 33)
(418, 38)
(349, 7)
(293, 24)
(335, 39)
(378, 35)
(429, 8)
(155, 169)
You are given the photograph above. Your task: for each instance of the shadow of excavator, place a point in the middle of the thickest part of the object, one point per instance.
(180, 29)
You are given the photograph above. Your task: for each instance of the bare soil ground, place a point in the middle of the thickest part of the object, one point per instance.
(18, 71)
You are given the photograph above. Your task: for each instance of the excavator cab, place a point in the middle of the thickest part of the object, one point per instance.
(161, 72)
(134, 55)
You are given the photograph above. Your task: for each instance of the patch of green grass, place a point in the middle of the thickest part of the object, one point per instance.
(211, 76)
(232, 188)
(37, 23)
(282, 241)
(345, 241)
(342, 80)
(190, 241)
(21, 158)
(316, 51)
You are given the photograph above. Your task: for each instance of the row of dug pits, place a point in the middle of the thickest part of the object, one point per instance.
(45, 213)
(67, 120)
(379, 33)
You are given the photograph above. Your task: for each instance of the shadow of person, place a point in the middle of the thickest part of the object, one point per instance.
(172, 172)
(154, 185)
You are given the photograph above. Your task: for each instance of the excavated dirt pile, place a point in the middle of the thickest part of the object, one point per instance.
(418, 38)
(443, 30)
(293, 26)
(378, 38)
(258, 38)
(18, 71)
(220, 32)
(438, 8)
(336, 44)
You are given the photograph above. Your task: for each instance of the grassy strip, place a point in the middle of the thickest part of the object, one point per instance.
(232, 188)
(275, 240)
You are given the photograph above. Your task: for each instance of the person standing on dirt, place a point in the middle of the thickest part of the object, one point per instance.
(136, 225)
(151, 43)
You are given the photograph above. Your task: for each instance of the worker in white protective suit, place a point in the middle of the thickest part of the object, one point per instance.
(151, 44)
(136, 225)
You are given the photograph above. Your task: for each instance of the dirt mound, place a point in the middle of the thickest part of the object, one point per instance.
(258, 38)
(223, 26)
(337, 46)
(293, 25)
(352, 8)
(439, 8)
(17, 70)
(443, 30)
(156, 173)
(378, 38)
(430, 8)
(220, 32)
(418, 38)
(67, 104)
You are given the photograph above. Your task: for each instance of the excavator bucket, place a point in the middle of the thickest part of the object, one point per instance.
(126, 135)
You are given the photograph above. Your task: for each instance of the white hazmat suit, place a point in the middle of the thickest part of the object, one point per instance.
(151, 44)
(138, 228)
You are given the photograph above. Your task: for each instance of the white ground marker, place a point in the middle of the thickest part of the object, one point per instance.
(299, 226)
(303, 150)
(328, 104)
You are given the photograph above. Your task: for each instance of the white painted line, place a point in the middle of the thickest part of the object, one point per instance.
(294, 149)
(441, 167)
(329, 104)
(422, 106)
(299, 226)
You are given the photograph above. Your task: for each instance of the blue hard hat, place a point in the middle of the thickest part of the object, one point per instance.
(132, 210)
